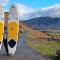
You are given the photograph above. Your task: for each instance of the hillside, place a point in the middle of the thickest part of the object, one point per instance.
(33, 33)
(43, 23)
(44, 43)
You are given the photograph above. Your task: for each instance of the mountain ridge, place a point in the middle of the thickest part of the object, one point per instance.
(43, 23)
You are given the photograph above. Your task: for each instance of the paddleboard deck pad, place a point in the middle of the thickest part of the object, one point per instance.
(1, 25)
(13, 29)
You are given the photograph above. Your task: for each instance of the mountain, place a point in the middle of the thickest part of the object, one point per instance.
(43, 23)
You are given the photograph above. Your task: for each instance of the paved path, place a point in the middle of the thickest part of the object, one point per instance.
(23, 52)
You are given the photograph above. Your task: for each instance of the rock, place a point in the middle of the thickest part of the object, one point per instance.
(58, 53)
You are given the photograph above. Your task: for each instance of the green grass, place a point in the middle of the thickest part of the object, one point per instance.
(21, 33)
(48, 49)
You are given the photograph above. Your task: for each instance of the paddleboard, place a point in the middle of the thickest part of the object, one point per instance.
(1, 25)
(13, 29)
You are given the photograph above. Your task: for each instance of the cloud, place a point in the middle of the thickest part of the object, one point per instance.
(26, 12)
(3, 2)
(23, 9)
(52, 11)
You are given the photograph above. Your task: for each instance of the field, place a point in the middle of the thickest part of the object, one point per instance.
(44, 43)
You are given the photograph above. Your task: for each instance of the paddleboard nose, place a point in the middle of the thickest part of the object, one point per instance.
(0, 47)
(12, 43)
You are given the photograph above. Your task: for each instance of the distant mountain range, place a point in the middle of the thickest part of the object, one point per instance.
(43, 23)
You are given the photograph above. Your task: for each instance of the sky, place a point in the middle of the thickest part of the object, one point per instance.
(30, 3)
(38, 7)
